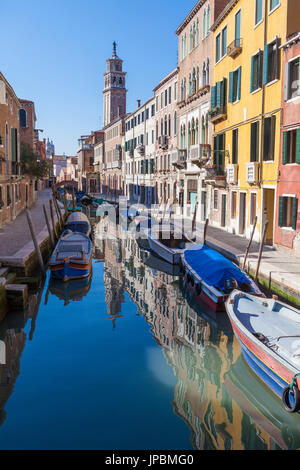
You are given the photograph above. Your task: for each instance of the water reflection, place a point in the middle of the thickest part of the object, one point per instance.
(222, 404)
(201, 350)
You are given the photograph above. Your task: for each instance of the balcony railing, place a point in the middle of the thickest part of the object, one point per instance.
(179, 158)
(199, 154)
(218, 113)
(235, 48)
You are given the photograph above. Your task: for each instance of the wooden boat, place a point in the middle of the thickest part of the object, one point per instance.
(78, 222)
(212, 277)
(72, 257)
(168, 243)
(72, 291)
(158, 264)
(269, 334)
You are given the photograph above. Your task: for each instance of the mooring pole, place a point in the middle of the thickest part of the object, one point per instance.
(205, 231)
(250, 243)
(57, 213)
(48, 227)
(194, 217)
(261, 249)
(35, 242)
(52, 218)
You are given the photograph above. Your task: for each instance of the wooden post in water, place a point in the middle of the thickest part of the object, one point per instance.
(250, 243)
(57, 213)
(261, 249)
(73, 198)
(35, 242)
(205, 231)
(52, 218)
(194, 217)
(48, 227)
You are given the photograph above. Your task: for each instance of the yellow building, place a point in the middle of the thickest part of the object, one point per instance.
(246, 112)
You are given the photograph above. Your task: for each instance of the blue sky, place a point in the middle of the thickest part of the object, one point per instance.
(54, 53)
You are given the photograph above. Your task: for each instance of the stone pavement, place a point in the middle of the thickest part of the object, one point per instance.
(15, 235)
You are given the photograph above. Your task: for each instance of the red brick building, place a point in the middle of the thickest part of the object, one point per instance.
(287, 233)
(27, 122)
(16, 191)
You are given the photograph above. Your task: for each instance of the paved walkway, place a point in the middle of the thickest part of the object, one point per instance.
(15, 235)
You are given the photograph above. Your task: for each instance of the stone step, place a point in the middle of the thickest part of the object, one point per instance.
(4, 272)
(17, 296)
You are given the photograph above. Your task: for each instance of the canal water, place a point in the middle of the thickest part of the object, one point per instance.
(126, 360)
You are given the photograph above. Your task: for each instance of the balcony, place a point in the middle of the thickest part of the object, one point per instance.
(131, 152)
(200, 154)
(235, 48)
(217, 114)
(163, 142)
(253, 172)
(83, 146)
(141, 149)
(216, 175)
(232, 174)
(179, 158)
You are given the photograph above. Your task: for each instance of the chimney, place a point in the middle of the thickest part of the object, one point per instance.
(139, 103)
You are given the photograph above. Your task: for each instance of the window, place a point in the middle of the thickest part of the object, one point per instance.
(161, 100)
(216, 199)
(233, 205)
(292, 79)
(258, 11)
(157, 106)
(175, 91)
(23, 118)
(170, 95)
(175, 123)
(166, 97)
(8, 199)
(219, 95)
(235, 146)
(291, 147)
(235, 85)
(254, 149)
(238, 25)
(253, 205)
(256, 71)
(271, 62)
(273, 4)
(288, 208)
(152, 110)
(219, 153)
(224, 41)
(218, 48)
(269, 138)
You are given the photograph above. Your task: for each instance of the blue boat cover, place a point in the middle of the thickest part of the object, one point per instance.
(213, 267)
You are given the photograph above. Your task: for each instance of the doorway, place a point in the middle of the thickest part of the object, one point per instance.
(242, 217)
(223, 211)
(268, 214)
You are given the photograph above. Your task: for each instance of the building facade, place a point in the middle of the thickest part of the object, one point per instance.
(287, 220)
(166, 94)
(139, 149)
(246, 113)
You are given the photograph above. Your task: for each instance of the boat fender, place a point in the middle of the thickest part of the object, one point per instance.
(291, 389)
(198, 289)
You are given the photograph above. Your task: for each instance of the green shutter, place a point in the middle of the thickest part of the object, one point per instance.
(252, 71)
(280, 215)
(259, 68)
(277, 71)
(295, 213)
(213, 97)
(284, 148)
(298, 146)
(286, 82)
(218, 98)
(239, 84)
(230, 97)
(266, 64)
(13, 145)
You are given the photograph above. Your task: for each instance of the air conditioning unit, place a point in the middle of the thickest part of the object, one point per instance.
(253, 172)
(232, 174)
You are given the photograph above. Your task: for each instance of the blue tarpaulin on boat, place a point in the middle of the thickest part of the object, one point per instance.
(213, 267)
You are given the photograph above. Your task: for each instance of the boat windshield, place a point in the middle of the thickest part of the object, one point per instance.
(81, 227)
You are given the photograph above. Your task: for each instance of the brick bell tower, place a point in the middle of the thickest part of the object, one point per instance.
(114, 93)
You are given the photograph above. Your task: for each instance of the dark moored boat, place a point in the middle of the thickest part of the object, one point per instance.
(212, 277)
